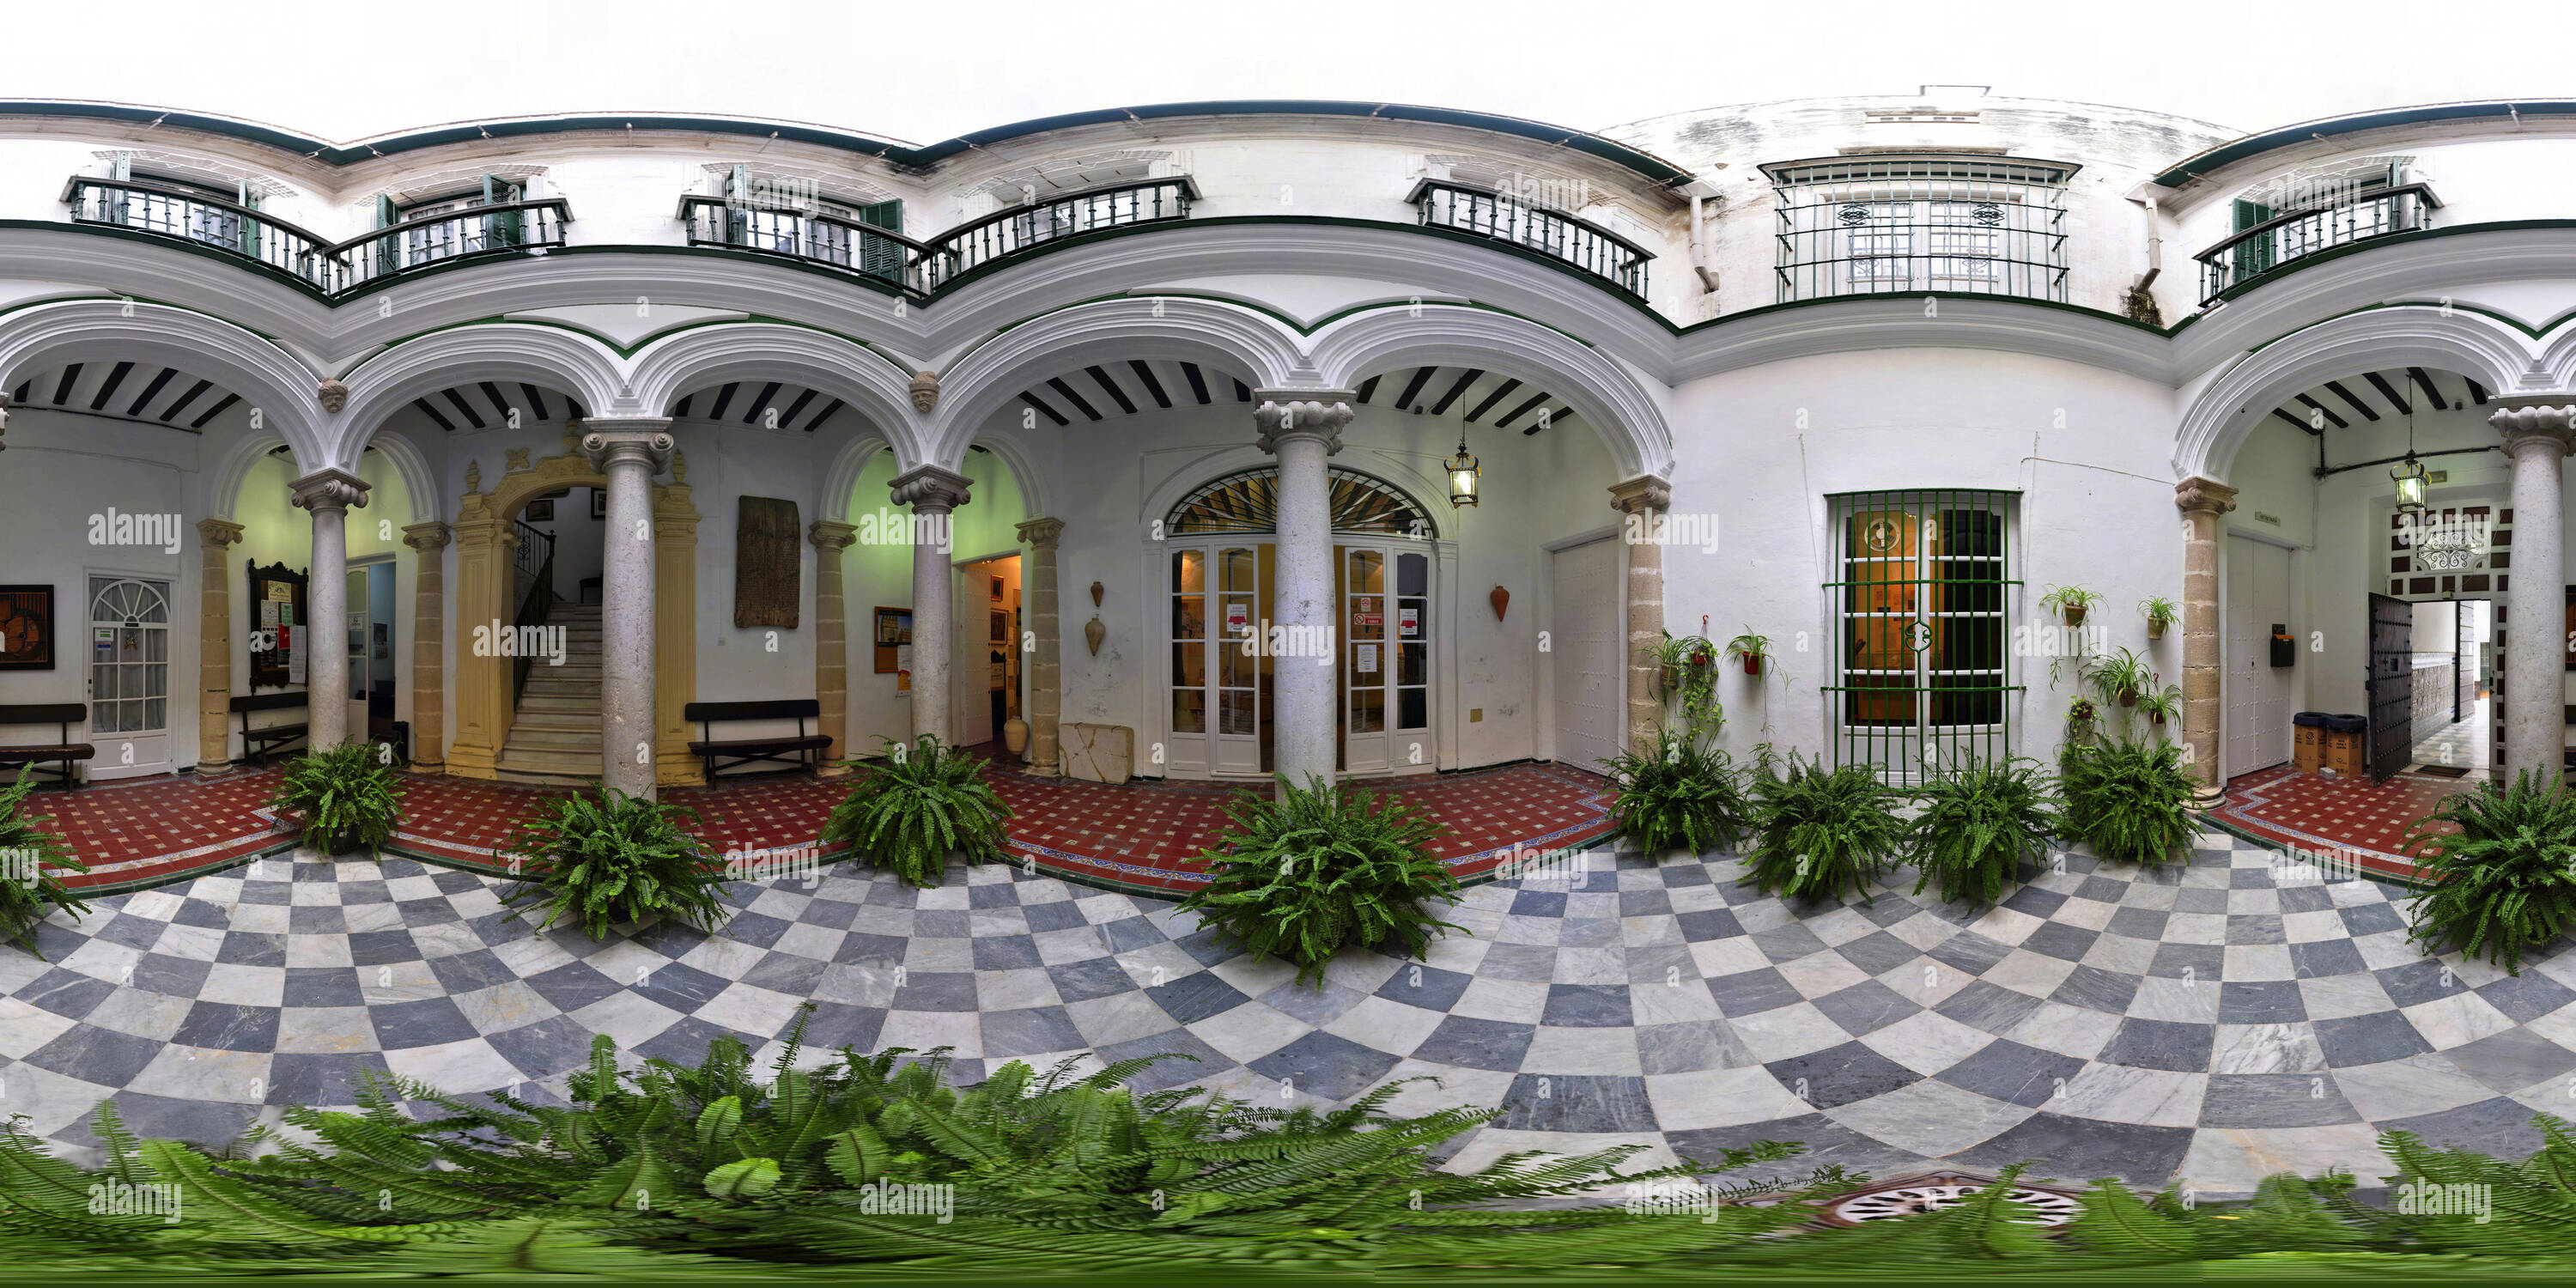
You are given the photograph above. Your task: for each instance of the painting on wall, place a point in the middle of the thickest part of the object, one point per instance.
(26, 628)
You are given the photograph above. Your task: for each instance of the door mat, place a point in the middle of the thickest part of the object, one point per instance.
(2443, 771)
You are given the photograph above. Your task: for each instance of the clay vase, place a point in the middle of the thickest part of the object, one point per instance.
(1094, 632)
(2074, 615)
(1015, 735)
(1501, 599)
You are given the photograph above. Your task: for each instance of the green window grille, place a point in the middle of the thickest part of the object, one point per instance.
(1904, 224)
(1920, 593)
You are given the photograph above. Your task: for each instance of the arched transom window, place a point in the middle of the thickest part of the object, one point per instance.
(1249, 502)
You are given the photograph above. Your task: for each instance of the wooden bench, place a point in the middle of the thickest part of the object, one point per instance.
(800, 751)
(259, 741)
(63, 715)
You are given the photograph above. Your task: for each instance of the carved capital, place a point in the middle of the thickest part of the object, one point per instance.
(427, 538)
(1042, 534)
(2196, 495)
(645, 439)
(1319, 414)
(334, 396)
(2540, 422)
(929, 489)
(332, 489)
(830, 537)
(218, 533)
(925, 391)
(1641, 494)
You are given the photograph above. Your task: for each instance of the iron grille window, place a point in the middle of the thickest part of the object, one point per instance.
(1899, 224)
(1922, 669)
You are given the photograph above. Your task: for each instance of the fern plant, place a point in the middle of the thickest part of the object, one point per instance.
(916, 807)
(1979, 823)
(612, 860)
(27, 889)
(345, 797)
(1819, 832)
(2505, 881)
(1323, 867)
(2130, 801)
(1684, 796)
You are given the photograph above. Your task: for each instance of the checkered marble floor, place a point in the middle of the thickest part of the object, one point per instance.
(2206, 1023)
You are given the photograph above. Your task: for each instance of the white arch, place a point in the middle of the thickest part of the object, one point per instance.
(985, 379)
(275, 384)
(841, 481)
(872, 385)
(2558, 357)
(232, 473)
(554, 356)
(2227, 408)
(1628, 419)
(413, 469)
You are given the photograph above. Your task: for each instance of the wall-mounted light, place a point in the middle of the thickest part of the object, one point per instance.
(1463, 474)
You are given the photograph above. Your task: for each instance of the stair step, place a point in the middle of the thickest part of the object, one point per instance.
(546, 740)
(551, 719)
(572, 763)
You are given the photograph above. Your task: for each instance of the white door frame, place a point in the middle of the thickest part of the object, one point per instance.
(110, 764)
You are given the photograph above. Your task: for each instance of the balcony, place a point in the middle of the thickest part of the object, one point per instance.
(328, 267)
(815, 238)
(1909, 225)
(2293, 235)
(1020, 229)
(1586, 246)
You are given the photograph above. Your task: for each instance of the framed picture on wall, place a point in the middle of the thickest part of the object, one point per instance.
(541, 510)
(26, 628)
(1001, 628)
(599, 503)
(997, 590)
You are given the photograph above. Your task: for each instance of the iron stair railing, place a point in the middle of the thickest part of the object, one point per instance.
(533, 578)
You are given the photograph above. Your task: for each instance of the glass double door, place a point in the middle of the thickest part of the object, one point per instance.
(1227, 647)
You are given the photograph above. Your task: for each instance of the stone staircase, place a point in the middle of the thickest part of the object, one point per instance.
(555, 736)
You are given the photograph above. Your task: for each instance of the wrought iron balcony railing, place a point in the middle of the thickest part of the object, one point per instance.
(842, 243)
(2297, 234)
(1907, 225)
(1555, 234)
(999, 236)
(206, 220)
(326, 266)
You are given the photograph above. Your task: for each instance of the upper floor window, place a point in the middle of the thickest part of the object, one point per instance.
(1858, 226)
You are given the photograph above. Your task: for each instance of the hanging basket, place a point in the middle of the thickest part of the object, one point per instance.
(2128, 697)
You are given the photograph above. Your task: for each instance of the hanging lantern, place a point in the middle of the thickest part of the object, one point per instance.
(1463, 474)
(2409, 475)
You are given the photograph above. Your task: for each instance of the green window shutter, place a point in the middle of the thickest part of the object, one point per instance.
(505, 229)
(737, 197)
(2253, 256)
(881, 257)
(387, 213)
(248, 199)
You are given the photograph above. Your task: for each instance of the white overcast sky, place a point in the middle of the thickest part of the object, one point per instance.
(925, 70)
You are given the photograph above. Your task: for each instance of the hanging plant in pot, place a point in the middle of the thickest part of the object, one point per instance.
(2161, 705)
(2160, 613)
(2079, 720)
(1690, 672)
(2071, 601)
(1752, 648)
(2122, 676)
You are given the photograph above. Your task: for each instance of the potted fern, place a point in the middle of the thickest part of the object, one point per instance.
(27, 889)
(1320, 868)
(2160, 705)
(916, 807)
(2072, 601)
(1819, 832)
(1978, 824)
(2160, 613)
(342, 797)
(2129, 801)
(2120, 676)
(2504, 882)
(1752, 648)
(1684, 796)
(613, 860)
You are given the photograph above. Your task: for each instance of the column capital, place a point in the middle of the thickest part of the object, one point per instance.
(1042, 534)
(218, 532)
(641, 438)
(931, 489)
(1318, 414)
(2534, 420)
(331, 489)
(830, 537)
(427, 538)
(2197, 495)
(1642, 493)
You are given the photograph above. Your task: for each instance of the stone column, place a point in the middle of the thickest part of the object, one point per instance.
(215, 645)
(1644, 499)
(2201, 501)
(327, 495)
(1303, 428)
(2536, 436)
(831, 642)
(428, 646)
(934, 495)
(1046, 660)
(629, 453)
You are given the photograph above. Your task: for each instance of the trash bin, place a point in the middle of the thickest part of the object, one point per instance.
(2347, 745)
(2308, 741)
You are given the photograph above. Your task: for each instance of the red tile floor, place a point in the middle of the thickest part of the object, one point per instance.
(1142, 836)
(2363, 819)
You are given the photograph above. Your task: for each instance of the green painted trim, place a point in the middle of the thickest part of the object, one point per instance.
(887, 150)
(2193, 168)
